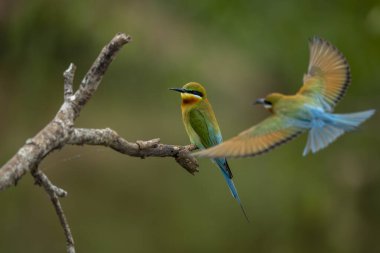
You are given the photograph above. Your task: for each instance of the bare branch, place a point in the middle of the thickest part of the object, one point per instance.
(68, 77)
(51, 137)
(60, 131)
(54, 192)
(109, 138)
(57, 132)
(94, 76)
(42, 180)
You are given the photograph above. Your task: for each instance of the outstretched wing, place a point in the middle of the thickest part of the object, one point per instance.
(328, 75)
(259, 139)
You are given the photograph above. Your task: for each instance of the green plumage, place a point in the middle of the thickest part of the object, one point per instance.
(202, 128)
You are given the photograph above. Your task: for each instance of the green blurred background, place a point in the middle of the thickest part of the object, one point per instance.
(240, 50)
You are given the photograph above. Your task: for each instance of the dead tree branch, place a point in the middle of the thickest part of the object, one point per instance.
(109, 138)
(60, 131)
(54, 193)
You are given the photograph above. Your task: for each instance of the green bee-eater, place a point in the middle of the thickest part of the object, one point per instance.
(203, 129)
(311, 108)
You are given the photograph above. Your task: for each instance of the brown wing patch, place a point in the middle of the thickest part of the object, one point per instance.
(257, 140)
(328, 73)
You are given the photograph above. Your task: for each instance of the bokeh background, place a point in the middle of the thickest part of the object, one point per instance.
(240, 50)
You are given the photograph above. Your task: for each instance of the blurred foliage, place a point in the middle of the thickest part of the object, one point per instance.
(240, 50)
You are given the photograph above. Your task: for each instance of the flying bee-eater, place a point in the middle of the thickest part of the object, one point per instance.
(203, 129)
(310, 109)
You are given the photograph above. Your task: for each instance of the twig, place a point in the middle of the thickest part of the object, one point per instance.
(54, 192)
(92, 79)
(68, 81)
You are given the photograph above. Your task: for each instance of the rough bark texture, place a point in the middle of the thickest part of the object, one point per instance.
(60, 131)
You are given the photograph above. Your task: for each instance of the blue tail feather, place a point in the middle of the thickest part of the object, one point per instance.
(328, 127)
(225, 169)
(321, 137)
(350, 121)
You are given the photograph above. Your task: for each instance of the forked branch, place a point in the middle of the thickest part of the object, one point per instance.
(60, 132)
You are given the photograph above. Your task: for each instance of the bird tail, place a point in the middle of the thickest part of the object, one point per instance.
(224, 167)
(350, 121)
(331, 126)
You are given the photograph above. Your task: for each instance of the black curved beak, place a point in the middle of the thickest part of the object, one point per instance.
(259, 101)
(178, 90)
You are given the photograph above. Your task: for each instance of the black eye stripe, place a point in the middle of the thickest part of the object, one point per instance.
(267, 102)
(195, 92)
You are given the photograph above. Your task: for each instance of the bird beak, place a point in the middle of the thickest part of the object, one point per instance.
(178, 89)
(259, 101)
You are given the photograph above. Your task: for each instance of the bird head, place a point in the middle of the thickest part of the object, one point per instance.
(191, 93)
(269, 101)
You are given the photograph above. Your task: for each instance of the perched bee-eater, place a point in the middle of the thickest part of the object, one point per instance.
(203, 129)
(311, 108)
